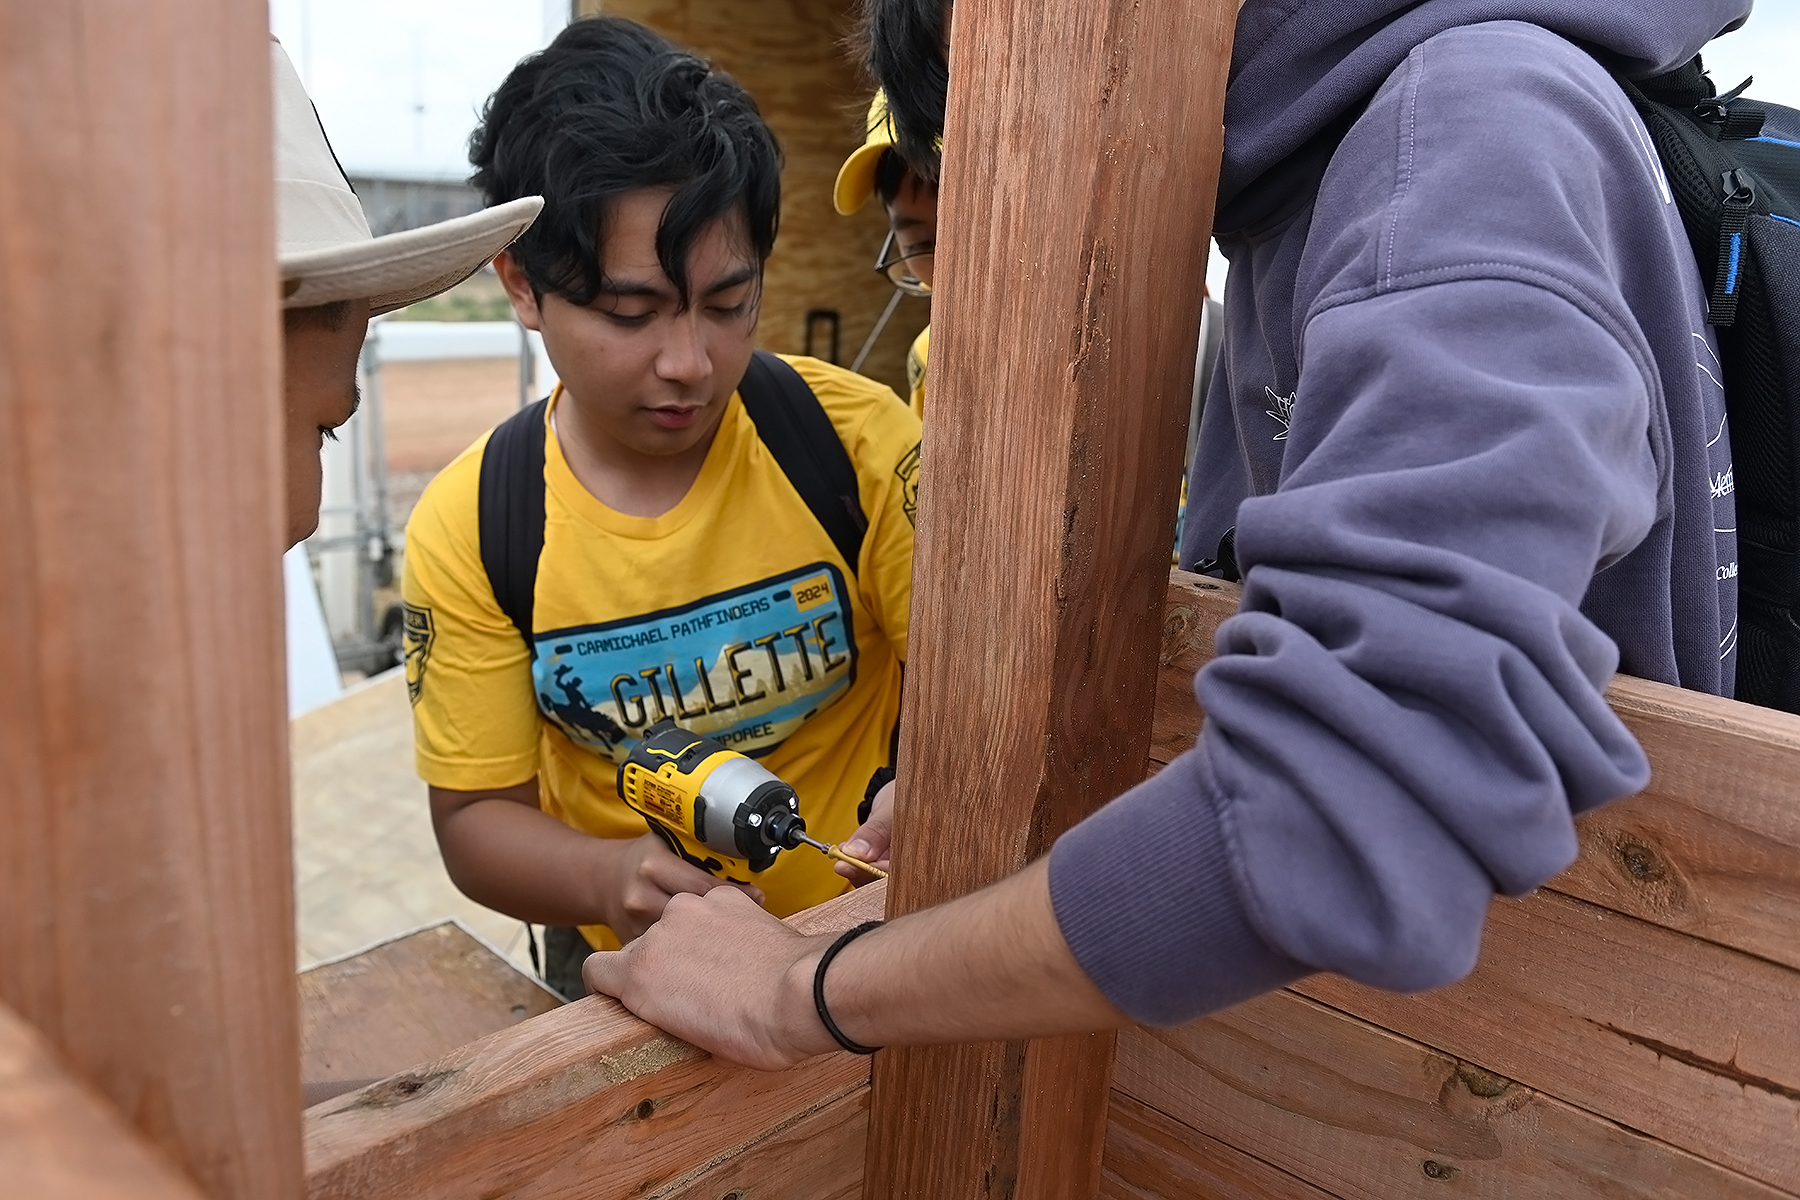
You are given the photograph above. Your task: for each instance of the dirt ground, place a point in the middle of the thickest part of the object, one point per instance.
(366, 862)
(433, 411)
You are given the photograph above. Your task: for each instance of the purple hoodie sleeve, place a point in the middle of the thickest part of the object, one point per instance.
(1407, 712)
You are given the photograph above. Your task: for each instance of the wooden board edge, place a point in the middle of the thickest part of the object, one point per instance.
(557, 1070)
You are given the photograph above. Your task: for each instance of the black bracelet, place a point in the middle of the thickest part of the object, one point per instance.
(844, 939)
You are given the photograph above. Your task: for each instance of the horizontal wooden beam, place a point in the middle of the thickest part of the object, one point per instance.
(1711, 848)
(1150, 1156)
(1686, 1041)
(1366, 1114)
(586, 1101)
(1656, 977)
(60, 1141)
(818, 1157)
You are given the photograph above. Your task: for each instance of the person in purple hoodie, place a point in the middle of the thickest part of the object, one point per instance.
(1466, 447)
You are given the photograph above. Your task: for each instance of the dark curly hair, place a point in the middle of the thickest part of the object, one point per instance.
(611, 107)
(901, 45)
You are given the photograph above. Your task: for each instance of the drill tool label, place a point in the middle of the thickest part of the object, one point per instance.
(659, 798)
(746, 667)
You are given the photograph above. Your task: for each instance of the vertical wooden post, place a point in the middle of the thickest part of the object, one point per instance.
(146, 911)
(59, 1141)
(1081, 161)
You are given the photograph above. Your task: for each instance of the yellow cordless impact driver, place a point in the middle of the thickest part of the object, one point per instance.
(716, 808)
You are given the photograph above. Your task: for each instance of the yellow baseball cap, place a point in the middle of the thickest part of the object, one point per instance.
(856, 178)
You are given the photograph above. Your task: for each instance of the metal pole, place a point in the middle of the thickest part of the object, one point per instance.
(869, 344)
(527, 364)
(381, 541)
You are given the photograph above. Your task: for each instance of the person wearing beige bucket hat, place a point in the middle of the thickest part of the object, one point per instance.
(335, 275)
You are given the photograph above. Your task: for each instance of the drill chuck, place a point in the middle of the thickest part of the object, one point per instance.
(785, 828)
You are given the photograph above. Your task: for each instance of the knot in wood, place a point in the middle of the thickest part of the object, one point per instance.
(401, 1088)
(1176, 624)
(1640, 861)
(1481, 1083)
(1440, 1171)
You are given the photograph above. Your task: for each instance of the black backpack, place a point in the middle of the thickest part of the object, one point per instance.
(788, 418)
(1737, 184)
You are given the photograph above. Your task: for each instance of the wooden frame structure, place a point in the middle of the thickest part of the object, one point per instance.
(1629, 1031)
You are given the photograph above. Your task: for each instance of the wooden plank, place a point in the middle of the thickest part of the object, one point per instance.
(1711, 848)
(146, 914)
(1368, 1115)
(1073, 246)
(819, 1156)
(1676, 1037)
(1194, 607)
(60, 1141)
(407, 1001)
(1150, 1156)
(584, 1101)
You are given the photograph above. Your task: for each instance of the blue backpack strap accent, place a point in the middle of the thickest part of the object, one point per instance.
(511, 513)
(1733, 166)
(788, 418)
(794, 426)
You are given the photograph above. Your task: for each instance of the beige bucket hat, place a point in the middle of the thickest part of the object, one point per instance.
(323, 241)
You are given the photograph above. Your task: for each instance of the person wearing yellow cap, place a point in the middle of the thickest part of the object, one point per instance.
(875, 168)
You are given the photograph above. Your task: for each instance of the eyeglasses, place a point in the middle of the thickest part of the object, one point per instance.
(899, 269)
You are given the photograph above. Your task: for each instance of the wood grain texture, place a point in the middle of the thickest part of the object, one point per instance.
(1711, 848)
(1368, 1115)
(584, 1101)
(1150, 1156)
(407, 1001)
(789, 55)
(819, 1156)
(60, 1141)
(1678, 1038)
(1061, 373)
(146, 910)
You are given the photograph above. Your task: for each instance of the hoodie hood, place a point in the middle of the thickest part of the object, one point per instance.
(1301, 71)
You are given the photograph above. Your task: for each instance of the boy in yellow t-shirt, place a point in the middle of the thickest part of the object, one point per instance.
(681, 573)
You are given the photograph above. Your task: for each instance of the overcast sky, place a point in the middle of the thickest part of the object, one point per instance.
(398, 82)
(1768, 48)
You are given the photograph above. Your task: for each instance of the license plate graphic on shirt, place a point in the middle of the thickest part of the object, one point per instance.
(745, 667)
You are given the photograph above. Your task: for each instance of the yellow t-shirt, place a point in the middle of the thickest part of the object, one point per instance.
(733, 612)
(915, 370)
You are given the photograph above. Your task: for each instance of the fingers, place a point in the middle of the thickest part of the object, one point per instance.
(871, 842)
(676, 875)
(750, 890)
(604, 973)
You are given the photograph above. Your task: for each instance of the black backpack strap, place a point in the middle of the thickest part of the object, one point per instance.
(794, 426)
(511, 512)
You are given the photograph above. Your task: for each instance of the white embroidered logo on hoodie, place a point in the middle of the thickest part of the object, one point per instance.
(1283, 412)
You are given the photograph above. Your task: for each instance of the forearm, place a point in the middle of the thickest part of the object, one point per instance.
(525, 863)
(988, 966)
